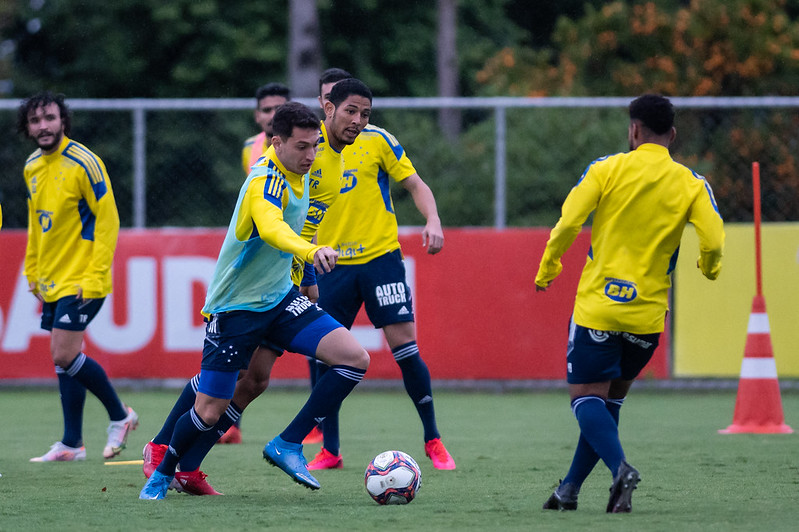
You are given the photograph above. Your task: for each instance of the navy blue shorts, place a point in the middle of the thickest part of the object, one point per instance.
(295, 324)
(599, 356)
(70, 313)
(379, 285)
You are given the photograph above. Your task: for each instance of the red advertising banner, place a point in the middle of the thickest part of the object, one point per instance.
(477, 313)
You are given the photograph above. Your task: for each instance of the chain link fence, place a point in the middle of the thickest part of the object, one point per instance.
(178, 162)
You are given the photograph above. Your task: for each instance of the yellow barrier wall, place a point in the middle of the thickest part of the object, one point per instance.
(710, 317)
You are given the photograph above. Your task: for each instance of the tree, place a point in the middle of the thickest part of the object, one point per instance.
(305, 51)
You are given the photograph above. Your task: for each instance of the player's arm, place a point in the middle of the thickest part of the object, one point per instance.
(273, 230)
(32, 251)
(432, 234)
(580, 202)
(710, 230)
(99, 196)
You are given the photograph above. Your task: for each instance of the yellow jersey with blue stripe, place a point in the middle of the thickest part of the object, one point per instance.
(641, 201)
(73, 223)
(362, 224)
(253, 271)
(325, 183)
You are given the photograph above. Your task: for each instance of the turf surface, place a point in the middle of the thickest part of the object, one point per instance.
(510, 449)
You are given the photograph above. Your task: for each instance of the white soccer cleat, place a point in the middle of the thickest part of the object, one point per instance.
(118, 434)
(62, 453)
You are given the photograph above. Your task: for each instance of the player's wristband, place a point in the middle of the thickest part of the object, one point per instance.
(308, 275)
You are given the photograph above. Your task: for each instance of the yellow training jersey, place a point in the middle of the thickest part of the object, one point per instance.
(642, 199)
(73, 223)
(325, 184)
(254, 148)
(362, 225)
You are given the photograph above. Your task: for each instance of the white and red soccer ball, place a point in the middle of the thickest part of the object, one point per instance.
(393, 477)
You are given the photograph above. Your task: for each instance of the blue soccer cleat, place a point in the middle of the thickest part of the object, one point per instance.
(156, 487)
(288, 457)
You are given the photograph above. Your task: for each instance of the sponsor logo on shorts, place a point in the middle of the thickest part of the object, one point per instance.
(620, 290)
(299, 305)
(391, 294)
(637, 341)
(598, 336)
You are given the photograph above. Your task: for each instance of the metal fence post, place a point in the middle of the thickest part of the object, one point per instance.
(139, 167)
(500, 169)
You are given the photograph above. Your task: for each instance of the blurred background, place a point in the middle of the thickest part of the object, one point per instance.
(163, 92)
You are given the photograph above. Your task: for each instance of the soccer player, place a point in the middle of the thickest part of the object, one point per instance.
(641, 201)
(362, 227)
(252, 301)
(267, 98)
(72, 233)
(347, 114)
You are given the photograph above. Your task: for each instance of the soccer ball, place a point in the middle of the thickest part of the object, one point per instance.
(393, 477)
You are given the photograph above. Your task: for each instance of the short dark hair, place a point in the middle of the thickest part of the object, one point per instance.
(347, 87)
(332, 75)
(272, 89)
(291, 115)
(654, 111)
(43, 99)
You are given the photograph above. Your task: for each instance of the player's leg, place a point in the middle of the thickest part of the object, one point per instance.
(340, 297)
(230, 340)
(67, 319)
(389, 305)
(250, 385)
(306, 329)
(637, 351)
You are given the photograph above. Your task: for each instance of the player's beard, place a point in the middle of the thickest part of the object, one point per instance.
(50, 145)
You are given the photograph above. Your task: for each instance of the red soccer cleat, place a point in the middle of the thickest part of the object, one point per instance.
(315, 436)
(436, 451)
(193, 483)
(233, 435)
(153, 454)
(326, 460)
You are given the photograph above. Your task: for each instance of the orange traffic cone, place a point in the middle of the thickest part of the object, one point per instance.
(758, 407)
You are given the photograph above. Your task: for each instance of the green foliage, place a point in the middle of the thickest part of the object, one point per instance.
(149, 48)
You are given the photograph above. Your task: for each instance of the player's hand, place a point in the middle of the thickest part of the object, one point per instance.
(539, 288)
(324, 260)
(33, 289)
(433, 237)
(311, 292)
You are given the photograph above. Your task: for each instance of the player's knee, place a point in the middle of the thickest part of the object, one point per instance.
(62, 357)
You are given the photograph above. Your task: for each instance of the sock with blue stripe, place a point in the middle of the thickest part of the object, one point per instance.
(585, 458)
(73, 397)
(416, 377)
(188, 429)
(92, 375)
(182, 405)
(330, 391)
(193, 457)
(599, 429)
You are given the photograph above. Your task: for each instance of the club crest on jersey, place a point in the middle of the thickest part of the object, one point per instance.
(620, 290)
(45, 220)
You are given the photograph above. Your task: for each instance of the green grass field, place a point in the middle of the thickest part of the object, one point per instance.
(510, 448)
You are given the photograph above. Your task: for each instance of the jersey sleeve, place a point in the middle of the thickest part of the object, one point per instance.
(99, 197)
(393, 158)
(32, 247)
(709, 226)
(580, 202)
(265, 195)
